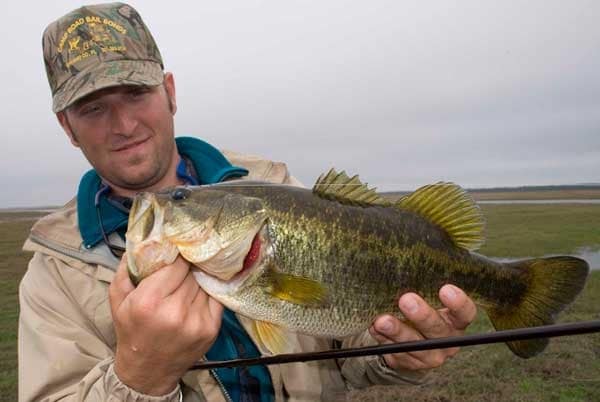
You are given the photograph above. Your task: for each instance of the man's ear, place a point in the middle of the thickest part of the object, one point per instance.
(66, 125)
(169, 84)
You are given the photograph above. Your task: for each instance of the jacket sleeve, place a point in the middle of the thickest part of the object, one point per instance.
(63, 355)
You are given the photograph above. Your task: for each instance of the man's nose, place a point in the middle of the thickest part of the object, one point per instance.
(123, 122)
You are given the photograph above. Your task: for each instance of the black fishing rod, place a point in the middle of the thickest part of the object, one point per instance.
(521, 334)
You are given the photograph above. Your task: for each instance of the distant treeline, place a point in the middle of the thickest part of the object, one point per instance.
(564, 187)
(593, 186)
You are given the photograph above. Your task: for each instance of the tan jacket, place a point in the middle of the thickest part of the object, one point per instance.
(67, 340)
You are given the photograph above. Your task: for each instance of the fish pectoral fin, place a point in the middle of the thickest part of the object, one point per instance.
(272, 337)
(452, 209)
(346, 190)
(296, 289)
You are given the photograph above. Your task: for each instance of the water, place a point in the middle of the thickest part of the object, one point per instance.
(592, 256)
(573, 201)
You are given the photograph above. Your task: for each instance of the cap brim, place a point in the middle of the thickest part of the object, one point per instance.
(107, 74)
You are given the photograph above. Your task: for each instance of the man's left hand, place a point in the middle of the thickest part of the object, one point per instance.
(422, 322)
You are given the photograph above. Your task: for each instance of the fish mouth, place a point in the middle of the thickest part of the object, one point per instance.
(147, 249)
(141, 208)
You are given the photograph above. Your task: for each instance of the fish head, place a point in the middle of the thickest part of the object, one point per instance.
(213, 229)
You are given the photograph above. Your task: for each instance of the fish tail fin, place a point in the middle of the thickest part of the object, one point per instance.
(554, 282)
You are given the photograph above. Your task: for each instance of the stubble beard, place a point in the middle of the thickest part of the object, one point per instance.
(149, 176)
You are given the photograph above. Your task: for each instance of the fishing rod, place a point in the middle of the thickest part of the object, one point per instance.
(521, 334)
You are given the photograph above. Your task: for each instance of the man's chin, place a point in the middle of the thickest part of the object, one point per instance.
(136, 178)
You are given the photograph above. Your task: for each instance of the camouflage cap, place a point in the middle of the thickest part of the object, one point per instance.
(99, 46)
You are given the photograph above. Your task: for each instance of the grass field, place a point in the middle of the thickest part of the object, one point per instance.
(568, 371)
(521, 230)
(13, 262)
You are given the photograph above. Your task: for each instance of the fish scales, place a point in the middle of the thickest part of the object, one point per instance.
(366, 258)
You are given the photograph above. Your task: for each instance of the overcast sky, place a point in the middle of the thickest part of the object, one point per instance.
(404, 93)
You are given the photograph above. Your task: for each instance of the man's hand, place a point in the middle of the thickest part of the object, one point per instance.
(425, 322)
(163, 326)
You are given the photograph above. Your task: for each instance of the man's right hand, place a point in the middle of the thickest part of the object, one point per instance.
(163, 326)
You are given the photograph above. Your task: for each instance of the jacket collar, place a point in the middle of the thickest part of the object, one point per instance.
(210, 167)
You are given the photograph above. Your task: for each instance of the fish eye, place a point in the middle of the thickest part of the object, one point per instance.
(180, 193)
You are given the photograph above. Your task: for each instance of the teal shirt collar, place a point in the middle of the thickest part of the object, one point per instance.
(210, 166)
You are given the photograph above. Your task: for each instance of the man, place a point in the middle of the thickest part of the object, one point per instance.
(86, 333)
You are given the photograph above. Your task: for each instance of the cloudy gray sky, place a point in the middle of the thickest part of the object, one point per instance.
(405, 93)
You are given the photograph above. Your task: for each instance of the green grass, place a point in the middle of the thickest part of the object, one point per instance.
(519, 230)
(568, 371)
(13, 263)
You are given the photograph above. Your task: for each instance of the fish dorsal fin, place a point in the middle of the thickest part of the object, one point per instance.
(451, 208)
(346, 190)
(272, 337)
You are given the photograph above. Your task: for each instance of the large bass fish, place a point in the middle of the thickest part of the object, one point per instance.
(326, 262)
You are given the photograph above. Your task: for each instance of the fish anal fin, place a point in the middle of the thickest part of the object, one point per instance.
(346, 190)
(452, 209)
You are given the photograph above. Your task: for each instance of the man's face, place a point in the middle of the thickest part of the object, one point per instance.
(126, 133)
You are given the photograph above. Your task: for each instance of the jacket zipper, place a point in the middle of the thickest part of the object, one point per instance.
(227, 397)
